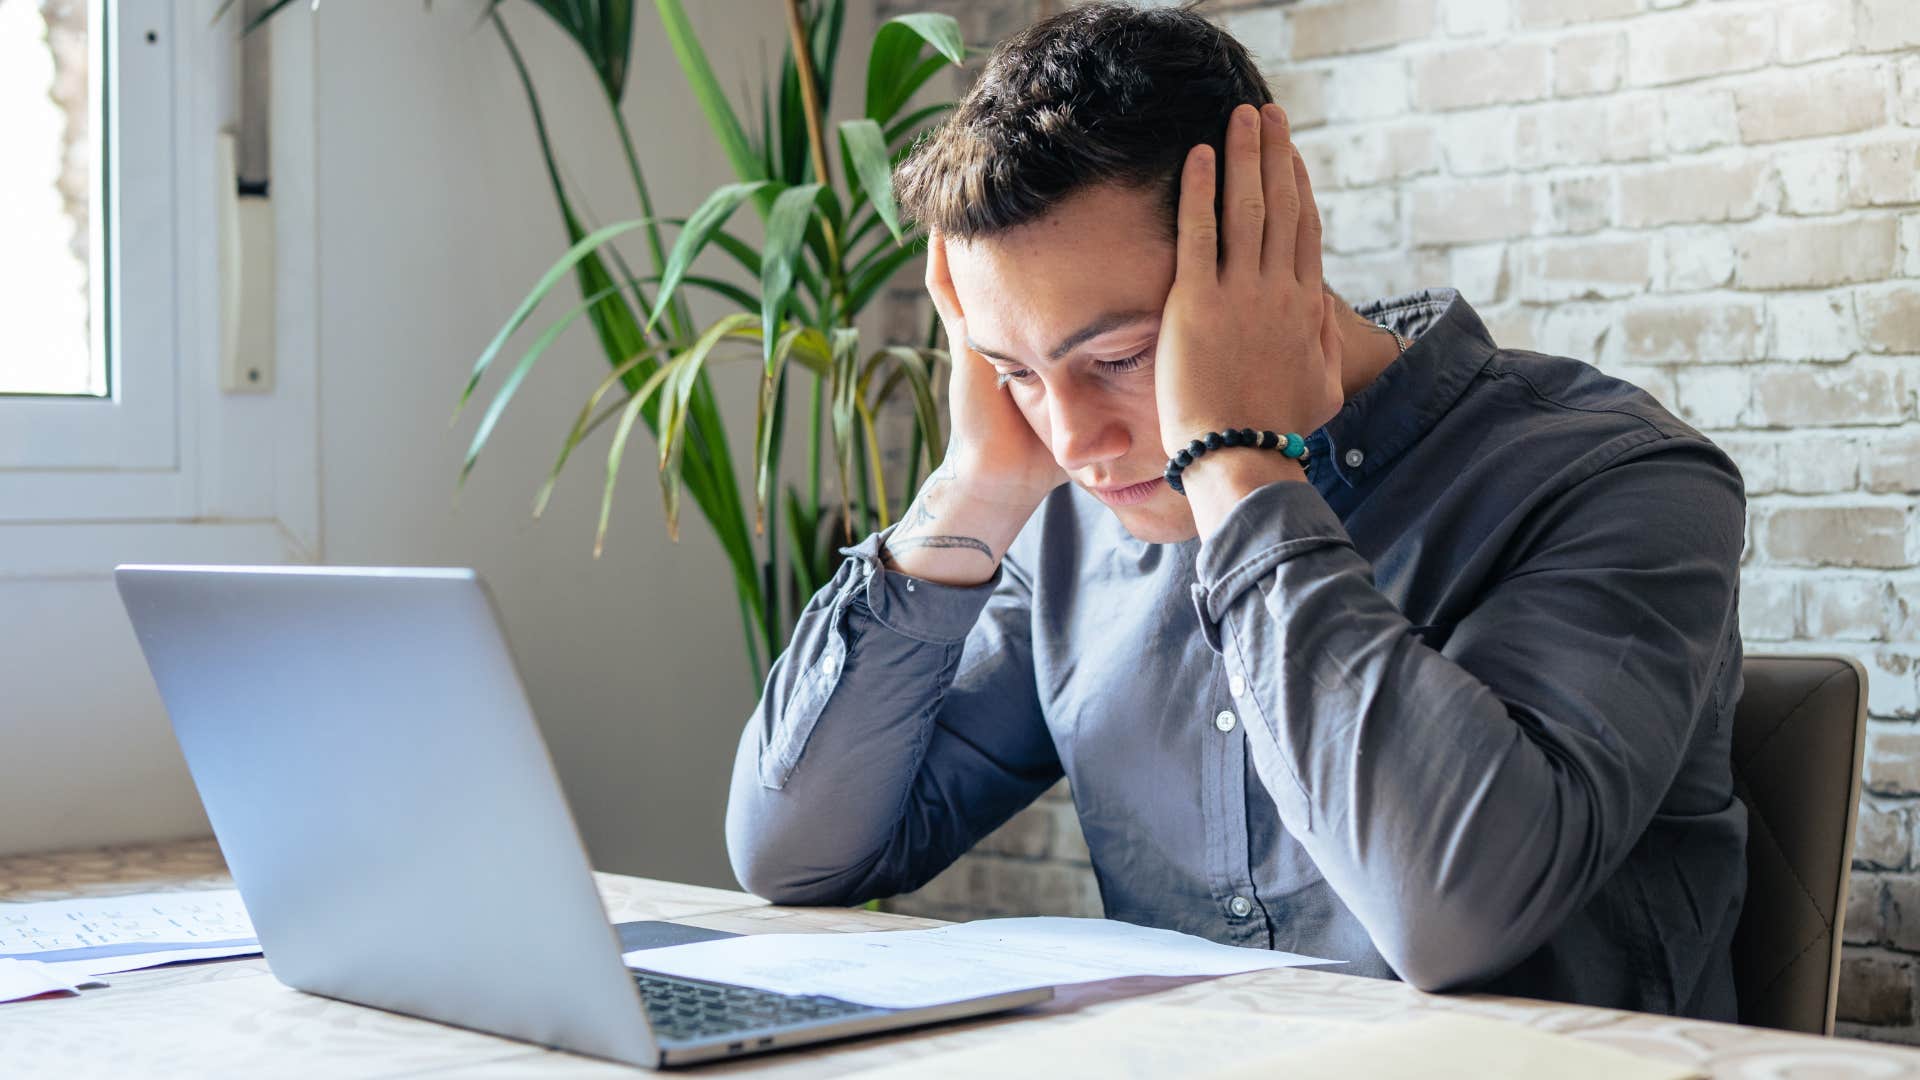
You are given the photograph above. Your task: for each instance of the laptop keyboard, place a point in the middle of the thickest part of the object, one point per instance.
(684, 1010)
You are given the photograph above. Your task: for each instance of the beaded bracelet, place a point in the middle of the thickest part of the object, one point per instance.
(1290, 444)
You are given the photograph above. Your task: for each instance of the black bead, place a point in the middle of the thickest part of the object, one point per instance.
(1249, 437)
(1269, 440)
(1196, 448)
(1183, 459)
(1214, 440)
(1229, 437)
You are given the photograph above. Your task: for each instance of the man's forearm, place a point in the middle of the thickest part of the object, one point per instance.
(1464, 800)
(854, 695)
(952, 534)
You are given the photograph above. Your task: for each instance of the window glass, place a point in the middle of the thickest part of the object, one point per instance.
(47, 200)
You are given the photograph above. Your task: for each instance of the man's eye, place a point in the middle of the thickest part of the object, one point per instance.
(1131, 362)
(1018, 375)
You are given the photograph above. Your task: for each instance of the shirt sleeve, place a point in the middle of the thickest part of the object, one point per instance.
(1465, 801)
(900, 726)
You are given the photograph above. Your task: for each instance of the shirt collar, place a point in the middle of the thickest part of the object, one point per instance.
(1450, 346)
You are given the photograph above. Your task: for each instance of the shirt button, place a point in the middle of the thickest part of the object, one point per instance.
(827, 665)
(1237, 685)
(1240, 906)
(1354, 457)
(1224, 721)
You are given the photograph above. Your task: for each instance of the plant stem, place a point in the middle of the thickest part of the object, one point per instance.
(809, 91)
(813, 445)
(859, 450)
(836, 271)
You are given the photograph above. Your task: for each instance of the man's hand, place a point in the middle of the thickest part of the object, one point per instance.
(1249, 338)
(993, 448)
(995, 473)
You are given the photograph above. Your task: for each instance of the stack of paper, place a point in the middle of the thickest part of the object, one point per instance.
(65, 942)
(904, 969)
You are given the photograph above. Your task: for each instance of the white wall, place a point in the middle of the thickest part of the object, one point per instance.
(434, 217)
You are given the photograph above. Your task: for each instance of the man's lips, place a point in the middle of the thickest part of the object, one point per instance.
(1128, 494)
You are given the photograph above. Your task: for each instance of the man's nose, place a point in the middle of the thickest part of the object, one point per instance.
(1083, 431)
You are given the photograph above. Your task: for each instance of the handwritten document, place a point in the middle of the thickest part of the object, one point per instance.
(97, 936)
(904, 969)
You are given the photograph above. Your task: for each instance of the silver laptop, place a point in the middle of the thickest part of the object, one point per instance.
(373, 773)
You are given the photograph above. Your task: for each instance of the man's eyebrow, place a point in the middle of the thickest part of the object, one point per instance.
(1112, 320)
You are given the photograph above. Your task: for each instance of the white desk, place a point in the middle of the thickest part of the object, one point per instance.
(231, 1018)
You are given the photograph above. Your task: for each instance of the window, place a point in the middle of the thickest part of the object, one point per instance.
(102, 394)
(49, 187)
(116, 439)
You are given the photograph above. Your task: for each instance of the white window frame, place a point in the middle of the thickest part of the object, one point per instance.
(168, 458)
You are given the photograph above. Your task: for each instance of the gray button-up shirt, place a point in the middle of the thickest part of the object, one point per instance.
(1459, 710)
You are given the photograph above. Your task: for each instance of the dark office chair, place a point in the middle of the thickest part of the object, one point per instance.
(1798, 737)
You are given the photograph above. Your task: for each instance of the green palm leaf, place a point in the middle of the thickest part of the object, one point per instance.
(786, 229)
(694, 237)
(604, 31)
(866, 151)
(894, 67)
(587, 421)
(574, 256)
(706, 90)
(679, 392)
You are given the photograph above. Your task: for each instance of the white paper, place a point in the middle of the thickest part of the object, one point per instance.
(25, 979)
(98, 936)
(81, 970)
(904, 969)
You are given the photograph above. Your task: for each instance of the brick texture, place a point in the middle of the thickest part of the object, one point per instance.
(1718, 200)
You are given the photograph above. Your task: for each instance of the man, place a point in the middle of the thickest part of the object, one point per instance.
(1452, 701)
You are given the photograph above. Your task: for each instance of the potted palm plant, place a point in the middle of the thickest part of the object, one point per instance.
(832, 239)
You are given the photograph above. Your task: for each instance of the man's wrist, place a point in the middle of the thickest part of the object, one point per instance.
(1217, 481)
(954, 534)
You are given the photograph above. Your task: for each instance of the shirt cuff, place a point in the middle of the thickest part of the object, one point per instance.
(915, 607)
(1271, 525)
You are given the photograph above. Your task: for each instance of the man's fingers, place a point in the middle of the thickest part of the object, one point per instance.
(1197, 250)
(1245, 205)
(1282, 194)
(1306, 260)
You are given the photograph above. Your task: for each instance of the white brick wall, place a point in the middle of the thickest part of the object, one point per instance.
(1716, 199)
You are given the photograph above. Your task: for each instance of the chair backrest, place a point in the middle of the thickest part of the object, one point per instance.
(1798, 735)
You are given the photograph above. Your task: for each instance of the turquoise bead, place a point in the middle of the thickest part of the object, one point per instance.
(1295, 447)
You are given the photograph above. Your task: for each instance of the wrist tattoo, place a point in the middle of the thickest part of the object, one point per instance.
(918, 515)
(893, 547)
(924, 512)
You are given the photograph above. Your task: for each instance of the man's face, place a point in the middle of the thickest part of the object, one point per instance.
(1069, 308)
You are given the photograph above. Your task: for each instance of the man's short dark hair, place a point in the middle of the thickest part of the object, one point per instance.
(1101, 94)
